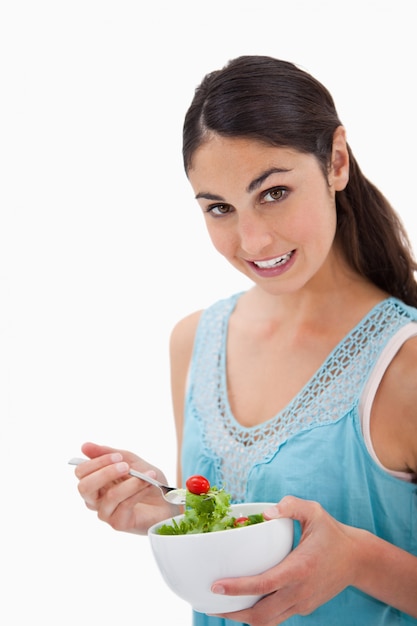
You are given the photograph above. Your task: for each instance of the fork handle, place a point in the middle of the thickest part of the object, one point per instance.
(148, 479)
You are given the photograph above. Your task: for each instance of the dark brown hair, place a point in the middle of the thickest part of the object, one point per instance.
(279, 104)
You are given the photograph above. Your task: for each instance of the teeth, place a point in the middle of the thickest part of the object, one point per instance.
(279, 260)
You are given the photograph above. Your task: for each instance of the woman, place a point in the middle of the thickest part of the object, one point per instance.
(301, 390)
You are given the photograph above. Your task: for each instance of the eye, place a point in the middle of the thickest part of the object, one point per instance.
(218, 210)
(275, 194)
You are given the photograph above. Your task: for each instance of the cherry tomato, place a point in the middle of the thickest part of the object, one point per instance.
(197, 484)
(240, 521)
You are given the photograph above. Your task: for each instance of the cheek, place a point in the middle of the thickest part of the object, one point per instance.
(317, 226)
(220, 237)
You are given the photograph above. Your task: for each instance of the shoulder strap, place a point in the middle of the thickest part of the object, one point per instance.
(371, 387)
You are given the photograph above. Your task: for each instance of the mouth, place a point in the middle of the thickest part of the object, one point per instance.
(275, 262)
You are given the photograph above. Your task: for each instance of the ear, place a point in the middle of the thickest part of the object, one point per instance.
(339, 167)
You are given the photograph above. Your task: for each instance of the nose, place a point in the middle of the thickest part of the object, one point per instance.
(255, 233)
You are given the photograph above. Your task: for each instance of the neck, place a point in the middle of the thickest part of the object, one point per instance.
(339, 295)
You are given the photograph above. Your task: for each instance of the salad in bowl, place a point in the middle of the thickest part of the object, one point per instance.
(208, 509)
(192, 550)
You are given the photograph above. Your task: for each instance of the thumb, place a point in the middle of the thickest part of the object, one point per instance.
(92, 450)
(292, 507)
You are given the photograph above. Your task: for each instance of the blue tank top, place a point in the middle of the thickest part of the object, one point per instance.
(313, 449)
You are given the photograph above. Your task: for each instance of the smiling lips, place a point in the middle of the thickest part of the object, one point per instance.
(270, 263)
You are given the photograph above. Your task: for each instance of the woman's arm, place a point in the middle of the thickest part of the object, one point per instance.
(394, 412)
(330, 557)
(124, 502)
(386, 572)
(181, 346)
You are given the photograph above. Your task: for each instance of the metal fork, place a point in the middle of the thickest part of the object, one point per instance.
(174, 495)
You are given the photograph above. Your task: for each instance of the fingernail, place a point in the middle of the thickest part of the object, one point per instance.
(271, 513)
(218, 589)
(115, 457)
(122, 467)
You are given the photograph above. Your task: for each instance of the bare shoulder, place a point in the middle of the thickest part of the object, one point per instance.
(182, 335)
(394, 415)
(181, 346)
(403, 371)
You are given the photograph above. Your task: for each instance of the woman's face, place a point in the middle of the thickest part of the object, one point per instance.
(269, 211)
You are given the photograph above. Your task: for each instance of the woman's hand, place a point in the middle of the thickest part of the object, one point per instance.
(125, 502)
(320, 567)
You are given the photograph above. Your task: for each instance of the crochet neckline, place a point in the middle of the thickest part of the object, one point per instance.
(312, 382)
(330, 395)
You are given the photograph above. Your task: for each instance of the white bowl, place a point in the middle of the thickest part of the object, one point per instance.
(190, 564)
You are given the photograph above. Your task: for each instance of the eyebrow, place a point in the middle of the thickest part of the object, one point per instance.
(254, 184)
(257, 182)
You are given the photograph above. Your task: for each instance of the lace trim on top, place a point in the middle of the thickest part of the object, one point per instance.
(327, 397)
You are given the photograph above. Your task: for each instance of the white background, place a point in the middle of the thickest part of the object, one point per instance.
(103, 249)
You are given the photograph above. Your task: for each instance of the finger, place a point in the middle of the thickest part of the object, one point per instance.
(93, 450)
(259, 585)
(92, 486)
(294, 508)
(128, 492)
(84, 468)
(279, 577)
(269, 611)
